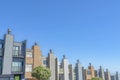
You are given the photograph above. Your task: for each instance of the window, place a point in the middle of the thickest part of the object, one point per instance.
(28, 68)
(1, 49)
(16, 50)
(0, 45)
(88, 72)
(29, 54)
(0, 66)
(16, 66)
(44, 62)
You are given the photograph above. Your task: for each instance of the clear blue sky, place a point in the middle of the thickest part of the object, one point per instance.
(88, 30)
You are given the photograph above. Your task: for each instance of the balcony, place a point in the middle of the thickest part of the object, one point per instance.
(17, 70)
(1, 52)
(17, 53)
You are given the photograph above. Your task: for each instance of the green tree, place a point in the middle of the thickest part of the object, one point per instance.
(41, 73)
(96, 78)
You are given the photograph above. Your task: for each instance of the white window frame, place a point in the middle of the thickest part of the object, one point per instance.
(29, 54)
(28, 68)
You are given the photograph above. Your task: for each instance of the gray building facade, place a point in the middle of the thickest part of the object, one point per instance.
(65, 65)
(71, 72)
(53, 65)
(107, 75)
(78, 71)
(116, 76)
(101, 73)
(12, 58)
(113, 77)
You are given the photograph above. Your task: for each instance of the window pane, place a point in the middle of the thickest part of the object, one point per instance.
(28, 67)
(0, 66)
(16, 50)
(0, 45)
(16, 66)
(44, 62)
(1, 50)
(89, 72)
(29, 54)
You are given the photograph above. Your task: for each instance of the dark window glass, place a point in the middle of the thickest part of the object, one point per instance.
(89, 72)
(16, 50)
(0, 66)
(1, 50)
(16, 66)
(0, 45)
(44, 62)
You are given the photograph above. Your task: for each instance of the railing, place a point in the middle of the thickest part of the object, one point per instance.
(17, 69)
(17, 53)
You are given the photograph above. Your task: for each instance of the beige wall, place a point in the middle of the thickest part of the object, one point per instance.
(29, 60)
(92, 75)
(35, 60)
(92, 71)
(87, 77)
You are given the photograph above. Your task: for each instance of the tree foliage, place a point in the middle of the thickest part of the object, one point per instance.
(41, 73)
(96, 78)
